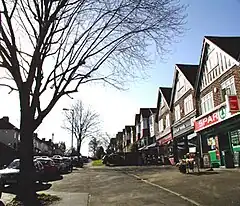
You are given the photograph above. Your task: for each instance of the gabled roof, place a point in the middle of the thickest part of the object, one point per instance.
(146, 112)
(128, 128)
(230, 45)
(164, 92)
(137, 118)
(6, 125)
(190, 73)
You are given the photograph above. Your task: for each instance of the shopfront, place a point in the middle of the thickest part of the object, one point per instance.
(220, 136)
(184, 138)
(166, 149)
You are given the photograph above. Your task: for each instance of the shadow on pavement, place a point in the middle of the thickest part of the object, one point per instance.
(52, 179)
(203, 173)
(38, 186)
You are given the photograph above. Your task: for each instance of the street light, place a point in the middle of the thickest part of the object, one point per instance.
(72, 111)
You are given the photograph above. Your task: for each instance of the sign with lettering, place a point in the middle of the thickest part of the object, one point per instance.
(185, 126)
(233, 103)
(210, 119)
(166, 139)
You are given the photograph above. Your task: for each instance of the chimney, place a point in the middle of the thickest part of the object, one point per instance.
(49, 140)
(43, 139)
(6, 118)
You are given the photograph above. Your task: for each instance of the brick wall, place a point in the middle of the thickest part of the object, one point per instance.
(217, 96)
(180, 101)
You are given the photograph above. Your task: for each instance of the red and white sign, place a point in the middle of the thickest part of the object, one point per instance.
(210, 119)
(165, 139)
(206, 121)
(233, 103)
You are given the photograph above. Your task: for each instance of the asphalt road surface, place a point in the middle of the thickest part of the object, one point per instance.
(108, 186)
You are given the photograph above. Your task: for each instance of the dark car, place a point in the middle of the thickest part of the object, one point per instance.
(113, 159)
(10, 175)
(77, 161)
(68, 162)
(50, 168)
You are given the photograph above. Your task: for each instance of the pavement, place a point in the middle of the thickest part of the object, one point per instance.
(146, 185)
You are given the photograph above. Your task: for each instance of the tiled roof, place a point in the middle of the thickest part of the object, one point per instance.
(137, 118)
(146, 112)
(166, 91)
(230, 45)
(189, 71)
(6, 125)
(128, 128)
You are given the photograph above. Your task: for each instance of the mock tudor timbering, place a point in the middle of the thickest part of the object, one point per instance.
(200, 112)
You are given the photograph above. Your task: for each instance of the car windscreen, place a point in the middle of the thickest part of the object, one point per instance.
(14, 165)
(45, 162)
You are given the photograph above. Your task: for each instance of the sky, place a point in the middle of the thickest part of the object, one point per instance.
(118, 108)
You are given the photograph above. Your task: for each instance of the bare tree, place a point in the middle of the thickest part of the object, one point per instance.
(84, 123)
(49, 48)
(105, 140)
(93, 145)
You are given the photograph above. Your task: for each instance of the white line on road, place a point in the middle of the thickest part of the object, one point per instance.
(167, 190)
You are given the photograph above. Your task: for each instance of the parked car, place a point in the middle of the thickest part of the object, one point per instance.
(68, 162)
(77, 161)
(113, 159)
(50, 169)
(10, 175)
(60, 164)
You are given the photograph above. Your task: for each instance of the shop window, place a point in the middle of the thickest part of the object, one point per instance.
(235, 137)
(207, 103)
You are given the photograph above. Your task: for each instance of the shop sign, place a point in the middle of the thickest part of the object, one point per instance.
(186, 125)
(210, 119)
(233, 103)
(165, 139)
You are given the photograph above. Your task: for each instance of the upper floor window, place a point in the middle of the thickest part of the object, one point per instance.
(177, 113)
(167, 120)
(207, 103)
(160, 125)
(188, 104)
(228, 87)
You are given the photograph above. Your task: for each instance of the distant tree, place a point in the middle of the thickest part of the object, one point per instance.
(105, 140)
(85, 122)
(93, 145)
(100, 152)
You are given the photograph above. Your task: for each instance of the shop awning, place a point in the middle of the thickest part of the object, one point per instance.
(189, 144)
(155, 144)
(141, 148)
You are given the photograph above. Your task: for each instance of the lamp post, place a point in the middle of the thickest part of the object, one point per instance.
(72, 111)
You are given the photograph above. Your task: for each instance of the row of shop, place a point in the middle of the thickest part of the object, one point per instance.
(215, 138)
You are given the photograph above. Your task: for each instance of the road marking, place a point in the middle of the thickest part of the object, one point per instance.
(167, 190)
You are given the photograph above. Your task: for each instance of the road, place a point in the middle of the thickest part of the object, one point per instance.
(110, 186)
(151, 186)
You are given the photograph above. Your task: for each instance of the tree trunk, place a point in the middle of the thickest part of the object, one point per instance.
(27, 192)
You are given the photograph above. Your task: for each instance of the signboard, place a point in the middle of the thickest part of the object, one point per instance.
(206, 160)
(165, 139)
(187, 125)
(210, 119)
(233, 103)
